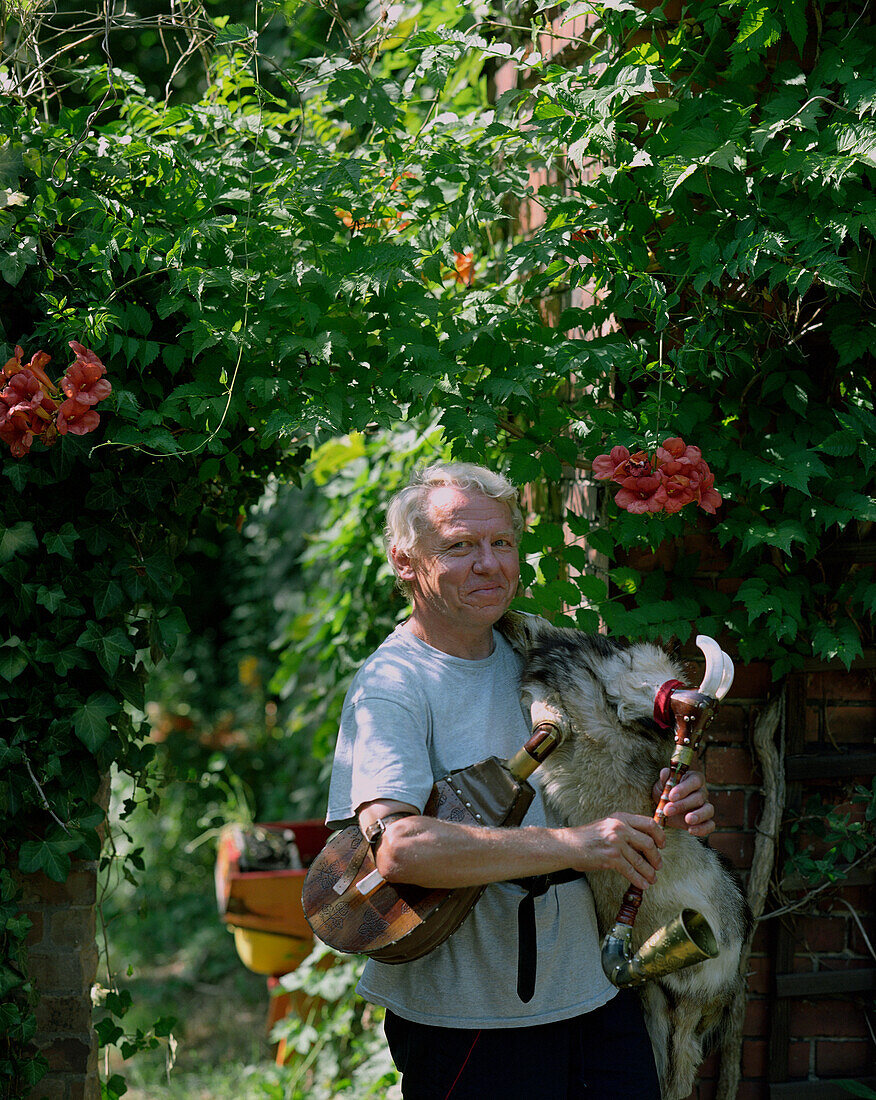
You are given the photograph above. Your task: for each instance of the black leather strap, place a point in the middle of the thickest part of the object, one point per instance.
(527, 945)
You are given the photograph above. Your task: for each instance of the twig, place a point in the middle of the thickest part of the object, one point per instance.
(791, 906)
(43, 800)
(857, 921)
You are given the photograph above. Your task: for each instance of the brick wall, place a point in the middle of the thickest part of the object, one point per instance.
(62, 964)
(790, 1040)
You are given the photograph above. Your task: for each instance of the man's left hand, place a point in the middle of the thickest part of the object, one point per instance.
(689, 807)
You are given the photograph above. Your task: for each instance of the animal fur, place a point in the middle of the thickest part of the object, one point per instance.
(610, 763)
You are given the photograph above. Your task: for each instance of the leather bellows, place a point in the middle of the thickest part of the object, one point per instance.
(352, 909)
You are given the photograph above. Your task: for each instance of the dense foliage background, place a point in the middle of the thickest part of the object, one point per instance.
(296, 239)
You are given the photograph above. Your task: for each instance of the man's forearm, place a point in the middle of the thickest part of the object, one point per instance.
(425, 851)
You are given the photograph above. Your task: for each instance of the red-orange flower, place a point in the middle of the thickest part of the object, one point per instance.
(639, 494)
(708, 497)
(26, 412)
(83, 381)
(28, 408)
(76, 417)
(677, 476)
(39, 359)
(611, 465)
(463, 263)
(675, 492)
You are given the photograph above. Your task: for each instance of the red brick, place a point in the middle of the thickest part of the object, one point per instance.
(754, 1057)
(35, 934)
(814, 724)
(729, 808)
(762, 938)
(80, 888)
(730, 725)
(725, 766)
(72, 927)
(737, 847)
(84, 1088)
(756, 1018)
(799, 1058)
(752, 1090)
(753, 809)
(838, 1057)
(828, 1018)
(751, 681)
(63, 1014)
(823, 934)
(760, 971)
(59, 972)
(52, 1087)
(862, 898)
(66, 1055)
(854, 724)
(857, 684)
(857, 943)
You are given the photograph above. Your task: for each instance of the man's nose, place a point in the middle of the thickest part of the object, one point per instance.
(486, 560)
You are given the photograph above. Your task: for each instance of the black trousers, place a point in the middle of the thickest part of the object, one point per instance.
(603, 1055)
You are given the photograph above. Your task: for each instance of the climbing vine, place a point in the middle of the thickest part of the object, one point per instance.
(321, 247)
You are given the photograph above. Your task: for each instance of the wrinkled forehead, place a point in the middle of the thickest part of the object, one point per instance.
(449, 509)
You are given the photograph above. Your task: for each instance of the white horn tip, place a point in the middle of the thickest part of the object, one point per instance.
(714, 665)
(726, 677)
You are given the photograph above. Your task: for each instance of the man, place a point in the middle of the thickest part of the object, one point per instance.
(441, 693)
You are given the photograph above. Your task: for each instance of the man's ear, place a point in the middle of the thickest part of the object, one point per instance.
(403, 564)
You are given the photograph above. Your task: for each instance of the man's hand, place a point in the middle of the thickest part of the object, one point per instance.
(626, 843)
(689, 805)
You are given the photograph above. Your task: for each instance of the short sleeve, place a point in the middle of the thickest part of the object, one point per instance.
(382, 752)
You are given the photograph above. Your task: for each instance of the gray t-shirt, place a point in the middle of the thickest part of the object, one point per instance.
(411, 715)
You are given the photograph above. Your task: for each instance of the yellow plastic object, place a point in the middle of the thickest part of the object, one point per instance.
(269, 953)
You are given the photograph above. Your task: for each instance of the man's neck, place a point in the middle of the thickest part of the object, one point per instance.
(470, 645)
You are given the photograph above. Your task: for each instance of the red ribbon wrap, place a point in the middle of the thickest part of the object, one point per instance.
(662, 711)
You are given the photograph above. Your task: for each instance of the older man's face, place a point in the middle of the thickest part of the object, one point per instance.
(466, 566)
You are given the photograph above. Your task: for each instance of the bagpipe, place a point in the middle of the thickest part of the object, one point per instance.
(352, 908)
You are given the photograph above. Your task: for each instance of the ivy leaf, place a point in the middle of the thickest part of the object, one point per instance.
(109, 645)
(50, 598)
(9, 754)
(108, 598)
(16, 540)
(12, 658)
(61, 542)
(90, 719)
(49, 856)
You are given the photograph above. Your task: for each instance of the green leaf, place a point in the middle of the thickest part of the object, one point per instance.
(16, 540)
(108, 598)
(14, 261)
(840, 640)
(592, 588)
(50, 856)
(61, 542)
(12, 658)
(90, 719)
(233, 33)
(109, 645)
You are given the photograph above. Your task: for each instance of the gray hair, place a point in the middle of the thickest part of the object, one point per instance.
(406, 516)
